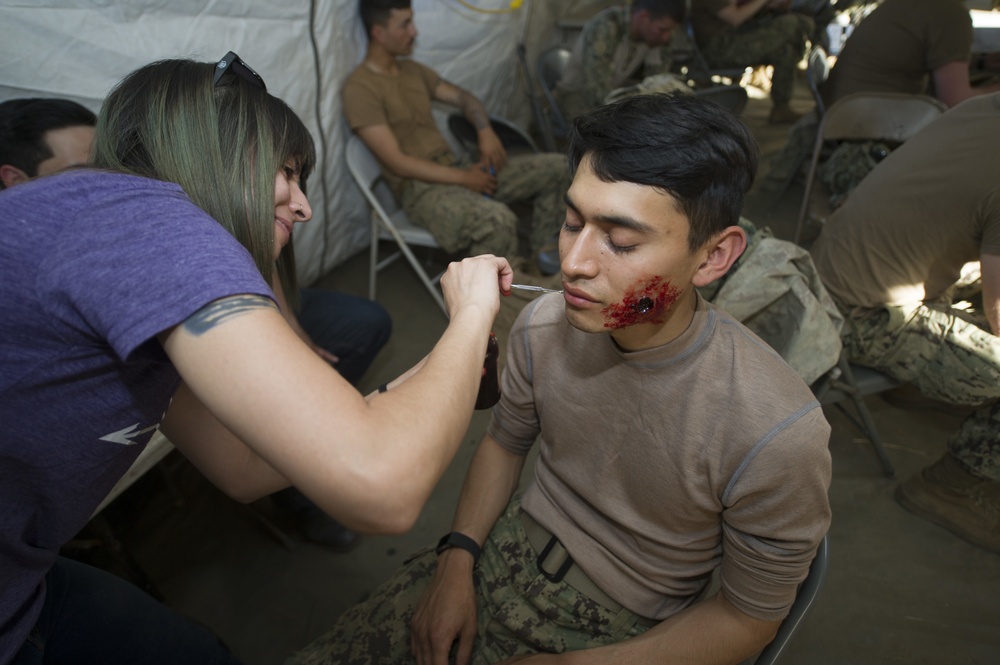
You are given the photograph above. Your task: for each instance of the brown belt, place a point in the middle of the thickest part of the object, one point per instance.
(555, 563)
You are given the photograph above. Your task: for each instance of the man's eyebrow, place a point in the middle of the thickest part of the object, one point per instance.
(617, 220)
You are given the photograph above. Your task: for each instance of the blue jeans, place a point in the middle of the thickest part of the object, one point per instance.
(353, 329)
(91, 616)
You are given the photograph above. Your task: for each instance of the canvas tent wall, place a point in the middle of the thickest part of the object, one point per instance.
(302, 48)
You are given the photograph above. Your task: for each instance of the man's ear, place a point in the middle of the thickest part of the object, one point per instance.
(723, 250)
(11, 175)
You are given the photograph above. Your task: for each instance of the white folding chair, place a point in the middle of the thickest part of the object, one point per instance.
(817, 71)
(868, 116)
(388, 220)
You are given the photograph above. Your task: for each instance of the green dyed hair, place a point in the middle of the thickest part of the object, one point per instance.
(222, 144)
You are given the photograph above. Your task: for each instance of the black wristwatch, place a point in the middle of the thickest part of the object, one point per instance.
(462, 542)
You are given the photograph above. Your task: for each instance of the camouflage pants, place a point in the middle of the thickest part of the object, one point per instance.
(519, 610)
(463, 221)
(777, 39)
(946, 358)
(847, 166)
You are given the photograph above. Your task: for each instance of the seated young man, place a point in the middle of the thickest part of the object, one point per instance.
(617, 47)
(387, 101)
(734, 33)
(673, 441)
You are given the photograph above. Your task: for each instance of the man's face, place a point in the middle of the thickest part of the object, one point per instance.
(399, 35)
(625, 261)
(70, 147)
(652, 31)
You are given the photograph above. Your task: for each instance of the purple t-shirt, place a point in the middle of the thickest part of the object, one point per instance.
(94, 265)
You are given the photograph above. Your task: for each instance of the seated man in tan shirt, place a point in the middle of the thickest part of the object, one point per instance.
(387, 100)
(673, 441)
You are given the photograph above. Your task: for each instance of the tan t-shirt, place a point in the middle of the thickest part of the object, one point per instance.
(402, 102)
(898, 46)
(930, 207)
(658, 466)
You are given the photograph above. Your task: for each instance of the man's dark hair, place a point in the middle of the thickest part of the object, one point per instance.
(376, 12)
(691, 148)
(23, 123)
(675, 9)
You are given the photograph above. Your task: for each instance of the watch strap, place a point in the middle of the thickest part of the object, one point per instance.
(462, 542)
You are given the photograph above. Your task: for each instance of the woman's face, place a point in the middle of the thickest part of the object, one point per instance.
(290, 204)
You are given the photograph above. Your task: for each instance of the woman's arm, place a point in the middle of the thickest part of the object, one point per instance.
(369, 463)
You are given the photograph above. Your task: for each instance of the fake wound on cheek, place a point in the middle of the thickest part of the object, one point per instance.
(646, 302)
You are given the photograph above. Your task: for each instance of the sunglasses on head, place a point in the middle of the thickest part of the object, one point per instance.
(231, 65)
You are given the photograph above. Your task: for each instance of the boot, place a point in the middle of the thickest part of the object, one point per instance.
(950, 496)
(782, 114)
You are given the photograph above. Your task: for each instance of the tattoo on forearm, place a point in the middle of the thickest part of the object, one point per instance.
(220, 311)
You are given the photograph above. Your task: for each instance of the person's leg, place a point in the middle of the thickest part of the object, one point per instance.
(778, 40)
(377, 630)
(91, 616)
(522, 612)
(461, 220)
(352, 328)
(542, 179)
(951, 360)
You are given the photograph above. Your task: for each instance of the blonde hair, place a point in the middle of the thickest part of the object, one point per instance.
(222, 144)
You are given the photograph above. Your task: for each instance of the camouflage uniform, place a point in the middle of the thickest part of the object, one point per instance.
(604, 59)
(947, 358)
(519, 610)
(774, 290)
(769, 38)
(848, 164)
(463, 221)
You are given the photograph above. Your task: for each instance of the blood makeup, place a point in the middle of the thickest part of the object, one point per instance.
(643, 303)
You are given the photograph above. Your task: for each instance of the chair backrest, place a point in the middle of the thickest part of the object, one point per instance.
(808, 592)
(817, 71)
(550, 69)
(541, 118)
(368, 174)
(868, 116)
(883, 116)
(514, 138)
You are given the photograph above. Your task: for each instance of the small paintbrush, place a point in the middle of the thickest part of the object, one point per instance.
(539, 289)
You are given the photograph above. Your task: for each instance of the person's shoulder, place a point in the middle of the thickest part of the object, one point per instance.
(360, 76)
(954, 10)
(412, 68)
(736, 346)
(93, 185)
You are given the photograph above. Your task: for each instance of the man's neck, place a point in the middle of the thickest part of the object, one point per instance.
(381, 61)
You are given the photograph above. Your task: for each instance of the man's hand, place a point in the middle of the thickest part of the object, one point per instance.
(491, 150)
(479, 179)
(446, 613)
